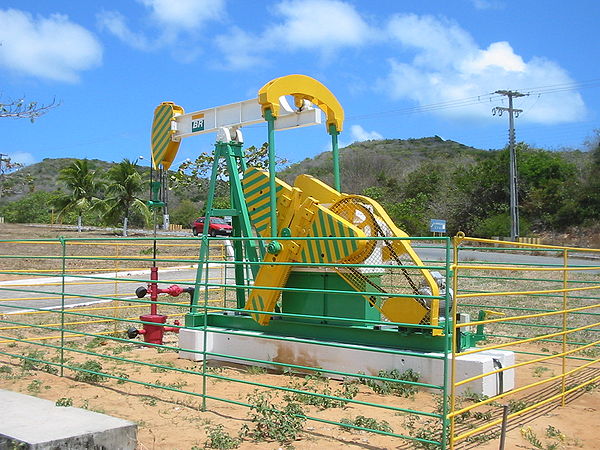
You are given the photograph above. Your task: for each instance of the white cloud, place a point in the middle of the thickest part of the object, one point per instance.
(173, 18)
(319, 25)
(50, 47)
(488, 4)
(22, 158)
(448, 66)
(115, 23)
(186, 14)
(248, 49)
(358, 133)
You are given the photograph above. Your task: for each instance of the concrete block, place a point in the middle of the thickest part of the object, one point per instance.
(38, 424)
(367, 360)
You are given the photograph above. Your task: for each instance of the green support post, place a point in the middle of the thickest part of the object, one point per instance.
(336, 157)
(272, 187)
(63, 245)
(204, 246)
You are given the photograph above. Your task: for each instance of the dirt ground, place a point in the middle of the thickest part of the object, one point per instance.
(172, 420)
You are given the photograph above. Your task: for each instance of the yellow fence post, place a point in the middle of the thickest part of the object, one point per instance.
(456, 240)
(564, 322)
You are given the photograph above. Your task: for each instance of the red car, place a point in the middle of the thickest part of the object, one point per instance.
(218, 227)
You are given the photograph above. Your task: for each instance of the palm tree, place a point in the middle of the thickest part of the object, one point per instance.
(83, 185)
(122, 194)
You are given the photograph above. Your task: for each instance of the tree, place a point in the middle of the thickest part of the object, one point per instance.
(81, 181)
(191, 176)
(32, 208)
(125, 183)
(19, 109)
(589, 197)
(185, 213)
(546, 182)
(7, 166)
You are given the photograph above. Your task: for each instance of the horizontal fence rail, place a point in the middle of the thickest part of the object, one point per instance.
(545, 310)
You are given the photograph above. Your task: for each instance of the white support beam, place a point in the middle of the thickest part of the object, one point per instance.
(236, 115)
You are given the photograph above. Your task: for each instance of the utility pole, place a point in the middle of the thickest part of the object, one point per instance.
(514, 200)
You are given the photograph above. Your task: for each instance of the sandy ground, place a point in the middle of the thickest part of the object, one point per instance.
(171, 420)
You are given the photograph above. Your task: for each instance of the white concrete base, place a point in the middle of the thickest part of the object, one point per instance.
(37, 424)
(365, 360)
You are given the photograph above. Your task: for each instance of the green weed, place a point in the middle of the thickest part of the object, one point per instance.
(35, 387)
(397, 388)
(64, 401)
(174, 385)
(163, 369)
(89, 377)
(320, 385)
(218, 438)
(517, 405)
(96, 342)
(28, 364)
(367, 422)
(269, 423)
(256, 370)
(150, 401)
(430, 429)
(554, 433)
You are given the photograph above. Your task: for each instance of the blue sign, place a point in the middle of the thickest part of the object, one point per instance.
(437, 226)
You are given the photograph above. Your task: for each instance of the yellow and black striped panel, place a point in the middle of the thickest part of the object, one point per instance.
(328, 224)
(257, 194)
(163, 148)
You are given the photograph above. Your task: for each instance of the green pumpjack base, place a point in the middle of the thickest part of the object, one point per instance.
(377, 335)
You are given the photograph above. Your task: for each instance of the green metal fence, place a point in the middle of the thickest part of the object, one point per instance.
(67, 303)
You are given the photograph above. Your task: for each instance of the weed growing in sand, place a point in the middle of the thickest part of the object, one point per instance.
(269, 423)
(529, 435)
(539, 371)
(35, 387)
(256, 370)
(123, 377)
(397, 388)
(218, 438)
(429, 429)
(366, 422)
(163, 369)
(320, 385)
(175, 385)
(29, 360)
(64, 401)
(88, 372)
(150, 401)
(96, 342)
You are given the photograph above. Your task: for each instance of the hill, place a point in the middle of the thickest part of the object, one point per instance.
(363, 164)
(42, 176)
(414, 179)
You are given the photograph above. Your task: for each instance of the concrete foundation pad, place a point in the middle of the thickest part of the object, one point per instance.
(33, 423)
(367, 360)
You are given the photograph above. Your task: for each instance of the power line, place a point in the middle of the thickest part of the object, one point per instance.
(479, 99)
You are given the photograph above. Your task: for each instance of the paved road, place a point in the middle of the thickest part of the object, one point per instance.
(438, 254)
(44, 292)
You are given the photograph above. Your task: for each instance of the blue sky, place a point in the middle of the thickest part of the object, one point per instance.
(401, 69)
